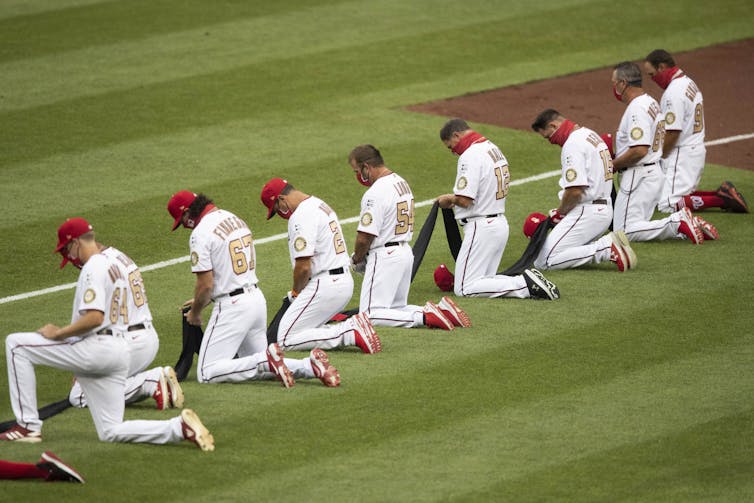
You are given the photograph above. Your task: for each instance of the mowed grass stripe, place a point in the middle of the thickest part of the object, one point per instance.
(79, 27)
(708, 460)
(502, 441)
(241, 41)
(280, 86)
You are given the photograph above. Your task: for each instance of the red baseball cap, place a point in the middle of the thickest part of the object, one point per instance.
(71, 229)
(178, 205)
(532, 223)
(270, 193)
(444, 279)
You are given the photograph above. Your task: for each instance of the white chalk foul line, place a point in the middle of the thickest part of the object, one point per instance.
(730, 139)
(278, 237)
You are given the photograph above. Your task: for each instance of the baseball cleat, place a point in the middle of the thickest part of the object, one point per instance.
(175, 392)
(276, 360)
(689, 228)
(621, 252)
(732, 199)
(57, 470)
(454, 313)
(709, 230)
(195, 431)
(18, 433)
(161, 394)
(322, 369)
(433, 317)
(539, 286)
(365, 337)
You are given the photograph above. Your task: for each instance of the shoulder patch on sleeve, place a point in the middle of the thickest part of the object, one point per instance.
(194, 258)
(570, 175)
(366, 219)
(637, 133)
(89, 295)
(299, 244)
(669, 118)
(462, 183)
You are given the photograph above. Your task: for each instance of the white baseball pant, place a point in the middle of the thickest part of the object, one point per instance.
(100, 364)
(484, 241)
(303, 324)
(384, 290)
(640, 188)
(571, 242)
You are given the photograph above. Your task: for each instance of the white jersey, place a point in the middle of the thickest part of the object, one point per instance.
(138, 309)
(102, 287)
(222, 243)
(586, 162)
(387, 211)
(482, 175)
(683, 107)
(641, 125)
(314, 231)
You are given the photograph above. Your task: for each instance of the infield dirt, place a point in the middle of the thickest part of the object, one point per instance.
(723, 72)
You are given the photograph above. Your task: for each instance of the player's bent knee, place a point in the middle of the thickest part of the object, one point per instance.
(108, 434)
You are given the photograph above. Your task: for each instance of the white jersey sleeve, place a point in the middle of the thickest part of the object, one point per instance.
(222, 243)
(314, 231)
(586, 162)
(683, 106)
(482, 174)
(641, 125)
(387, 211)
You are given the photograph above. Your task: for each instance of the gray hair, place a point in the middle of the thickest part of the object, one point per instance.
(629, 72)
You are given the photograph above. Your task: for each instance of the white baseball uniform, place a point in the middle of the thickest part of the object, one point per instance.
(482, 174)
(387, 213)
(586, 162)
(142, 338)
(99, 360)
(683, 108)
(641, 185)
(222, 243)
(314, 231)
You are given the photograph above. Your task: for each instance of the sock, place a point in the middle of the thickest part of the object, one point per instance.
(697, 202)
(11, 470)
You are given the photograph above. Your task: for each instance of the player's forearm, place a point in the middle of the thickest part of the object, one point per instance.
(361, 247)
(86, 323)
(669, 143)
(302, 273)
(450, 200)
(630, 157)
(202, 291)
(572, 197)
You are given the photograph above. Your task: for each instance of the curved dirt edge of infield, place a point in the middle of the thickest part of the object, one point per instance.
(722, 72)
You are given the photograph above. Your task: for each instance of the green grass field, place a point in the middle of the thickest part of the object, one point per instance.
(632, 387)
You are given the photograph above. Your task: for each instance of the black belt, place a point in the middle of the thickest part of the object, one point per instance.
(333, 272)
(649, 163)
(131, 328)
(466, 220)
(599, 201)
(237, 291)
(392, 243)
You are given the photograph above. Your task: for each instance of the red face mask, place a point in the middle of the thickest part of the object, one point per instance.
(467, 141)
(618, 96)
(561, 134)
(663, 77)
(362, 180)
